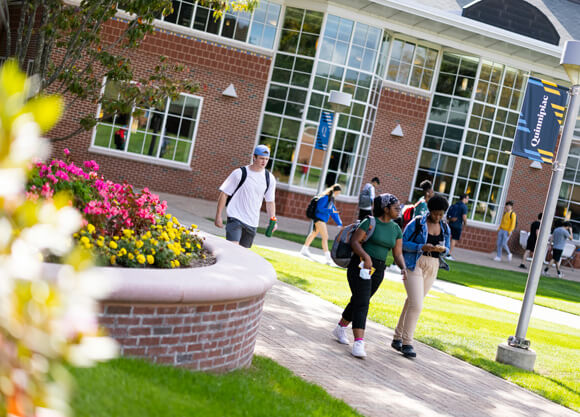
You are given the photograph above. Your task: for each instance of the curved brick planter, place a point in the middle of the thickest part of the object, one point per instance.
(201, 318)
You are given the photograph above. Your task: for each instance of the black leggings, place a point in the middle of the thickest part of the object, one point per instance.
(362, 290)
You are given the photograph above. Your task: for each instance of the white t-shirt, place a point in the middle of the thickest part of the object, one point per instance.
(246, 203)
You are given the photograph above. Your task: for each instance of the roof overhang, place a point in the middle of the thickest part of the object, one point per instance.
(467, 35)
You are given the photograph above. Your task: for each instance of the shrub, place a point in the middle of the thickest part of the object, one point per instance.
(120, 226)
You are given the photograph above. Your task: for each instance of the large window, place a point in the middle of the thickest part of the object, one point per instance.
(299, 91)
(165, 133)
(470, 130)
(258, 28)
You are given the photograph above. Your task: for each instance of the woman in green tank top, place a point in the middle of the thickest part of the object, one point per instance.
(367, 267)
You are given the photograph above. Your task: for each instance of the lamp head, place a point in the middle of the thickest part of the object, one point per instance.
(571, 61)
(339, 101)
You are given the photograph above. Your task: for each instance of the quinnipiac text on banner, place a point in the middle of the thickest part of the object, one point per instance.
(540, 119)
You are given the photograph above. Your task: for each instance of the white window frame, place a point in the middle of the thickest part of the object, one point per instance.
(145, 158)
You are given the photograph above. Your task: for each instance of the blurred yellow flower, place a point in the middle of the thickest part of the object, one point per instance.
(194, 226)
(176, 263)
(198, 246)
(85, 240)
(127, 232)
(150, 259)
(90, 228)
(168, 216)
(113, 244)
(169, 225)
(139, 244)
(188, 245)
(131, 256)
(122, 252)
(175, 220)
(113, 259)
(141, 259)
(116, 237)
(100, 243)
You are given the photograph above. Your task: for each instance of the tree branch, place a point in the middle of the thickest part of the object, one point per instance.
(44, 12)
(6, 22)
(21, 23)
(70, 135)
(26, 41)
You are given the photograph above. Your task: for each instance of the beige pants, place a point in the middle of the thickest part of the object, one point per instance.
(417, 284)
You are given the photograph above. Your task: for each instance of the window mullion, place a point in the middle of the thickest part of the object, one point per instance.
(162, 132)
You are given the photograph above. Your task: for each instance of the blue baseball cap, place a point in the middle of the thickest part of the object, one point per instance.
(262, 150)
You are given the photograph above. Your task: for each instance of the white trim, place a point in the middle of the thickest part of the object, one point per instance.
(311, 192)
(473, 26)
(408, 89)
(139, 158)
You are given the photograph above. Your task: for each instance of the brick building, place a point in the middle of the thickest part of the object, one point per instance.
(450, 74)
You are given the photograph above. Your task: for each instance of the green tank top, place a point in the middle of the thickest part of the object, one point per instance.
(383, 238)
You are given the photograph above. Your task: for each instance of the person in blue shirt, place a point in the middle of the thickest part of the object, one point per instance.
(457, 218)
(325, 209)
(425, 240)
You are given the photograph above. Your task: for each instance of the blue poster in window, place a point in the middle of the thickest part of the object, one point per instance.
(540, 120)
(324, 129)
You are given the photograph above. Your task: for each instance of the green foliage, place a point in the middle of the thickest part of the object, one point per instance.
(129, 387)
(462, 328)
(71, 54)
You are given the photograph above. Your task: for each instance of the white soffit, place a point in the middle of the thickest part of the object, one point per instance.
(458, 32)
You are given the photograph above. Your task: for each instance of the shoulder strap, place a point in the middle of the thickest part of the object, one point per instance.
(267, 180)
(242, 180)
(418, 229)
(371, 230)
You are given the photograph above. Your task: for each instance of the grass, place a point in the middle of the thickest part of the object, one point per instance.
(462, 328)
(131, 387)
(293, 237)
(554, 293)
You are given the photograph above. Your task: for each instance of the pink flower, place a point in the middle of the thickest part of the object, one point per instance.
(62, 175)
(52, 178)
(66, 151)
(92, 165)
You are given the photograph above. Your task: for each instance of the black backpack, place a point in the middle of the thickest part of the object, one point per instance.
(243, 179)
(311, 209)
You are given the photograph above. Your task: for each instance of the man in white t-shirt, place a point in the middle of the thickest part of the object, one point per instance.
(242, 192)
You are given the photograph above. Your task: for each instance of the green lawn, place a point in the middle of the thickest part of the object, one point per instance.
(552, 292)
(131, 387)
(462, 328)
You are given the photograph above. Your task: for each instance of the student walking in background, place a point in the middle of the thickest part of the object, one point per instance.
(421, 205)
(364, 282)
(325, 209)
(507, 226)
(424, 241)
(559, 237)
(457, 218)
(366, 198)
(531, 242)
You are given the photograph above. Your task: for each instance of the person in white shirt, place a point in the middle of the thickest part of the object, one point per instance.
(242, 192)
(366, 198)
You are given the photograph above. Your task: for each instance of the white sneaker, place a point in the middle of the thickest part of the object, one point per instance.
(509, 257)
(450, 258)
(340, 333)
(328, 259)
(497, 259)
(305, 252)
(358, 349)
(560, 274)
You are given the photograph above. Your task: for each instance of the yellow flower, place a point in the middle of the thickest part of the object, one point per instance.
(100, 243)
(122, 252)
(150, 259)
(198, 246)
(127, 232)
(169, 225)
(75, 235)
(87, 245)
(141, 259)
(116, 237)
(90, 228)
(85, 240)
(171, 235)
(153, 252)
(172, 264)
(113, 244)
(139, 244)
(165, 236)
(175, 220)
(168, 216)
(194, 226)
(113, 259)
(131, 256)
(176, 263)
(148, 234)
(154, 242)
(188, 245)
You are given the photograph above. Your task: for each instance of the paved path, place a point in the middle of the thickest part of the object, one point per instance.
(295, 332)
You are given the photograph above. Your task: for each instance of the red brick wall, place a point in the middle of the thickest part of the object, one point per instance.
(294, 205)
(393, 158)
(217, 337)
(227, 126)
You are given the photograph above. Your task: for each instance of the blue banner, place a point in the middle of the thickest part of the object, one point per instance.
(540, 119)
(324, 129)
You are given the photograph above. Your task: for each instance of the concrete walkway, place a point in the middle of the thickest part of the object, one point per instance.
(295, 332)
